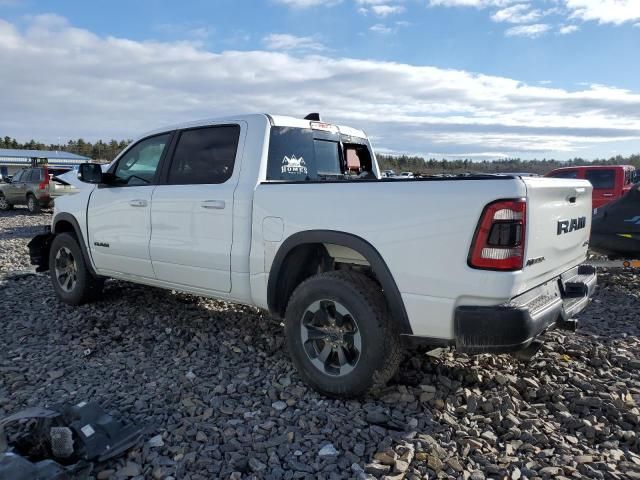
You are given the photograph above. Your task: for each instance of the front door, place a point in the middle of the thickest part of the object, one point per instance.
(119, 214)
(16, 191)
(192, 213)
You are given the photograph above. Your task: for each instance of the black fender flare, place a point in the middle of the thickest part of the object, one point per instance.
(67, 217)
(360, 245)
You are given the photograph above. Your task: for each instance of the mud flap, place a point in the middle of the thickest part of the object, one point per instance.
(39, 248)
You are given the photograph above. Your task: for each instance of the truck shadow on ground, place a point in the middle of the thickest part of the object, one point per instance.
(21, 232)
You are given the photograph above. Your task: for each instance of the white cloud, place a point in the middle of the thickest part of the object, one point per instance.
(381, 28)
(385, 10)
(285, 41)
(531, 31)
(605, 11)
(380, 8)
(104, 87)
(520, 13)
(614, 12)
(567, 29)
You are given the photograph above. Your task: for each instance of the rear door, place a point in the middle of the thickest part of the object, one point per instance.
(603, 181)
(558, 226)
(35, 181)
(192, 212)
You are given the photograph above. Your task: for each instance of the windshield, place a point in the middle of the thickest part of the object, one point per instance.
(305, 155)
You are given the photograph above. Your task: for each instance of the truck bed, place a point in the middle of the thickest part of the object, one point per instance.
(424, 228)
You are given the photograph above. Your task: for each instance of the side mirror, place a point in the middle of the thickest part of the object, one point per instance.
(6, 180)
(90, 173)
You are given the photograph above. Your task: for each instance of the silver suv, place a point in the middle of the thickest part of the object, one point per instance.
(32, 187)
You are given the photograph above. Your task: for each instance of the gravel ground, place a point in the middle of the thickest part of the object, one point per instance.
(215, 387)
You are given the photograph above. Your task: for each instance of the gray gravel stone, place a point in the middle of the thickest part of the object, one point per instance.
(214, 384)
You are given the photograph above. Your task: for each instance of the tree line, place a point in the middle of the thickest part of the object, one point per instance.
(416, 164)
(100, 150)
(108, 150)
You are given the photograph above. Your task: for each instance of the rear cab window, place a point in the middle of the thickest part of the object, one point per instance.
(565, 174)
(601, 178)
(309, 155)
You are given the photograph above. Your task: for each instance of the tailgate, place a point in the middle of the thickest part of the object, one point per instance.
(558, 227)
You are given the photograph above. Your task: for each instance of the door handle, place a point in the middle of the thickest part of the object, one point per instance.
(138, 203)
(213, 204)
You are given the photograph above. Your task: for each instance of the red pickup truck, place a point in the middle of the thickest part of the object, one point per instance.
(609, 181)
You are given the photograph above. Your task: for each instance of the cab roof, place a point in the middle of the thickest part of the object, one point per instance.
(274, 120)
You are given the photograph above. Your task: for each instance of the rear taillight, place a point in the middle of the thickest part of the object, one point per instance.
(45, 183)
(498, 243)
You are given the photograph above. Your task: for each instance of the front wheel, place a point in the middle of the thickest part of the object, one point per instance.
(340, 335)
(72, 281)
(32, 204)
(4, 203)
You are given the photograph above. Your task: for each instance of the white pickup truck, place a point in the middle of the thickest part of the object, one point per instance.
(292, 215)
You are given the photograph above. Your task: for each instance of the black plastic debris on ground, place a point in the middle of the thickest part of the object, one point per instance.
(61, 443)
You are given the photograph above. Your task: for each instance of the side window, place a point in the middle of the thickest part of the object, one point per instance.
(35, 175)
(566, 174)
(205, 155)
(18, 176)
(32, 176)
(139, 164)
(601, 178)
(628, 176)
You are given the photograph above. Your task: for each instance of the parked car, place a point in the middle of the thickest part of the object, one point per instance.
(388, 173)
(610, 182)
(258, 209)
(406, 175)
(34, 188)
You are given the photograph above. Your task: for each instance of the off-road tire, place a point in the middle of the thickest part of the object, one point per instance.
(87, 287)
(32, 204)
(381, 350)
(4, 204)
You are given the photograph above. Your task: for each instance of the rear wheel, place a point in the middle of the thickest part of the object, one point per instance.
(4, 203)
(340, 335)
(32, 204)
(72, 281)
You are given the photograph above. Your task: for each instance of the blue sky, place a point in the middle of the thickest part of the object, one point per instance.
(479, 78)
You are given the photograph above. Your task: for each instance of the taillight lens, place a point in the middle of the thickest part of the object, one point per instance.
(499, 241)
(45, 183)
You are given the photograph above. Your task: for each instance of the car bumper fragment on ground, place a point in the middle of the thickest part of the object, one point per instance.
(217, 390)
